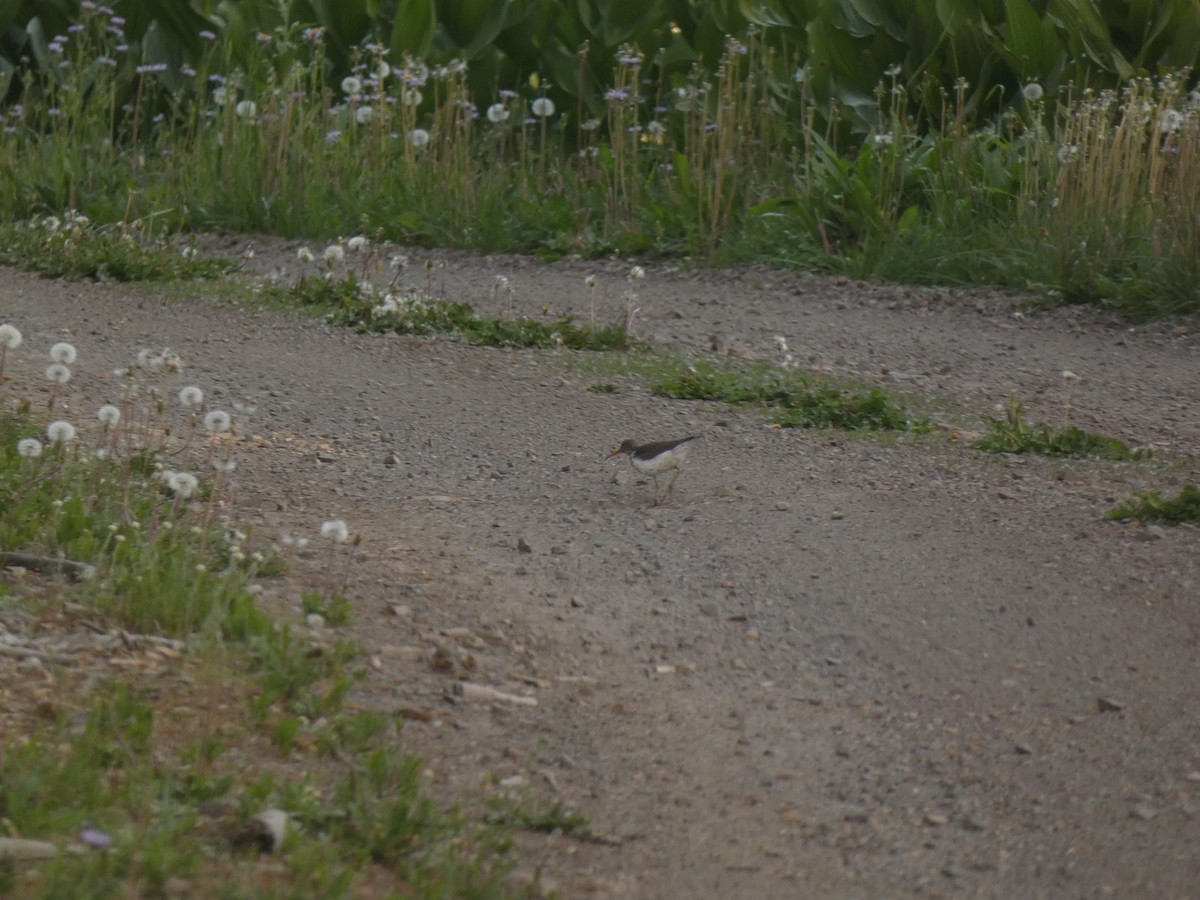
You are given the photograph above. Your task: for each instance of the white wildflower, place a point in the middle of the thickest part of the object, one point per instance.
(64, 353)
(10, 337)
(358, 242)
(1032, 92)
(334, 254)
(191, 396)
(351, 85)
(182, 484)
(335, 530)
(418, 137)
(217, 421)
(542, 107)
(29, 447)
(636, 272)
(58, 373)
(304, 255)
(497, 113)
(60, 432)
(246, 109)
(364, 114)
(109, 414)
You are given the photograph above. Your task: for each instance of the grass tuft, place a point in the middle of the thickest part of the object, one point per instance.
(1013, 434)
(1150, 507)
(796, 399)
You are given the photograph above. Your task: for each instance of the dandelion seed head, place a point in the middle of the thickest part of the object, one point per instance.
(217, 421)
(60, 432)
(497, 113)
(636, 272)
(590, 281)
(351, 85)
(358, 242)
(64, 353)
(364, 114)
(246, 109)
(224, 465)
(30, 448)
(182, 484)
(418, 137)
(542, 107)
(10, 337)
(1068, 375)
(412, 97)
(1169, 121)
(304, 255)
(190, 396)
(109, 414)
(58, 373)
(334, 254)
(1032, 92)
(335, 530)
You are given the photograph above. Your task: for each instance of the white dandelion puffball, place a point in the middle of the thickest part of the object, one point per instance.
(363, 115)
(64, 353)
(108, 414)
(182, 484)
(334, 254)
(335, 530)
(636, 272)
(351, 85)
(542, 107)
(418, 137)
(246, 109)
(217, 421)
(29, 448)
(413, 97)
(10, 337)
(58, 373)
(497, 113)
(590, 281)
(60, 432)
(1032, 92)
(191, 396)
(305, 255)
(358, 242)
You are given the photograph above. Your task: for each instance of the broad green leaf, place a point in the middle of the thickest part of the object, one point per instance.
(412, 29)
(472, 24)
(1031, 41)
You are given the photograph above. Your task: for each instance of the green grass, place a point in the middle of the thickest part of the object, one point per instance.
(72, 247)
(1077, 196)
(793, 399)
(1013, 434)
(347, 301)
(139, 763)
(1151, 507)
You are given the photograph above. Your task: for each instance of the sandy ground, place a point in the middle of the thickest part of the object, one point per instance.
(831, 666)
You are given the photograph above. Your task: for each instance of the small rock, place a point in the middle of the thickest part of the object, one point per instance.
(952, 871)
(523, 547)
(782, 505)
(1024, 749)
(974, 823)
(391, 459)
(936, 820)
(399, 609)
(836, 515)
(1155, 532)
(1143, 811)
(1110, 704)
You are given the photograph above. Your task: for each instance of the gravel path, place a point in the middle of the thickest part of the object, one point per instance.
(831, 666)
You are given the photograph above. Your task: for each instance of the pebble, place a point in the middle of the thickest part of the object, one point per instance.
(1024, 749)
(936, 820)
(1110, 704)
(782, 505)
(1143, 811)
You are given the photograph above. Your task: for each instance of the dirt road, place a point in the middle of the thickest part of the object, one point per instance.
(832, 666)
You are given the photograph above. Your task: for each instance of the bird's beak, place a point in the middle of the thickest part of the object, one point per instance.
(614, 453)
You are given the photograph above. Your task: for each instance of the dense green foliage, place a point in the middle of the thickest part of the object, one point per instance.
(1047, 146)
(1150, 507)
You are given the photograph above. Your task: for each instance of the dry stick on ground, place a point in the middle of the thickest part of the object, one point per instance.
(48, 565)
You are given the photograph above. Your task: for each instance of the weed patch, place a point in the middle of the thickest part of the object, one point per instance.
(1014, 434)
(1150, 507)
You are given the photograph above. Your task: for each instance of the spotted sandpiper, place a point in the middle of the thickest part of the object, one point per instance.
(655, 458)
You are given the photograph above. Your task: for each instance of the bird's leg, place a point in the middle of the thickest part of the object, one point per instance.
(654, 479)
(671, 484)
